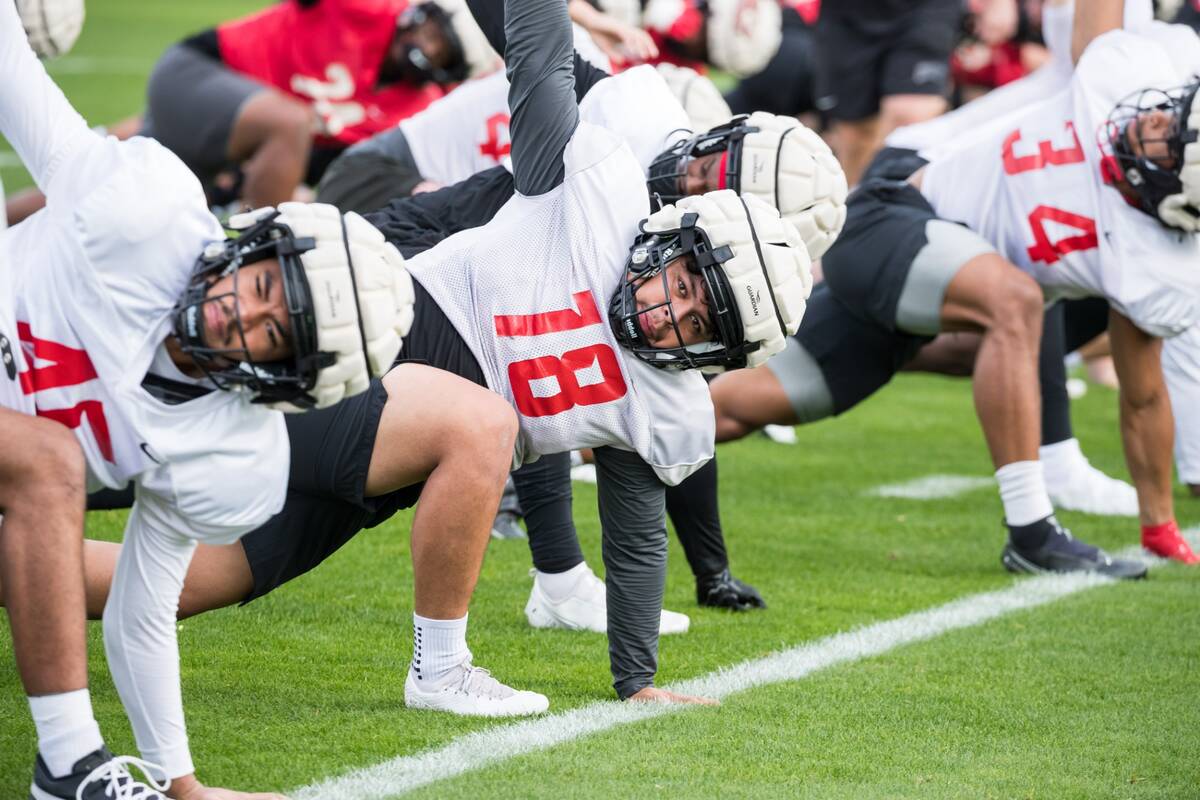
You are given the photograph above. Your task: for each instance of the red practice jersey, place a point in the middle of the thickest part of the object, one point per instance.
(328, 54)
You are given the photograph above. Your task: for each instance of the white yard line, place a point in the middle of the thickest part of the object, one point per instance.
(933, 487)
(477, 750)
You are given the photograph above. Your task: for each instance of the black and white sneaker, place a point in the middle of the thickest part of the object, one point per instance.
(722, 590)
(1062, 552)
(99, 776)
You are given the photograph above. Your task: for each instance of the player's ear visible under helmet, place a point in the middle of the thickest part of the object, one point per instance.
(772, 157)
(349, 301)
(1162, 169)
(756, 271)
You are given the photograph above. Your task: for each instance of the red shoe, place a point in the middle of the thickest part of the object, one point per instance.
(1166, 541)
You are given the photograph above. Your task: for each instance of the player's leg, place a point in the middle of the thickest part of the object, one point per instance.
(41, 566)
(848, 90)
(916, 69)
(566, 592)
(987, 293)
(461, 447)
(1181, 368)
(786, 84)
(1072, 482)
(213, 117)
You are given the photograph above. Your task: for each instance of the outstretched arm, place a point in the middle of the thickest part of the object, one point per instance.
(1093, 18)
(35, 117)
(541, 94)
(1147, 427)
(632, 516)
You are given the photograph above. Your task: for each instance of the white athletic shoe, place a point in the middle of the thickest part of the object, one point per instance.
(1075, 485)
(584, 608)
(780, 434)
(584, 473)
(472, 691)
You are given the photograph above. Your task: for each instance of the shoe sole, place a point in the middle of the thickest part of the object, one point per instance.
(420, 704)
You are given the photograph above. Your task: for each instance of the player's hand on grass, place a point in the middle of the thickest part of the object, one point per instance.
(652, 694)
(188, 788)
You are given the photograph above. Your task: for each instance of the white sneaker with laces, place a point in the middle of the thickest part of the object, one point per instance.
(585, 609)
(1075, 485)
(472, 691)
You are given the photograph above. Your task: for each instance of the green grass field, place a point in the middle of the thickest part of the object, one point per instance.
(1093, 696)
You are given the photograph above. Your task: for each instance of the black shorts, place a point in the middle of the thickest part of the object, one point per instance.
(894, 164)
(856, 357)
(861, 60)
(331, 452)
(368, 175)
(867, 266)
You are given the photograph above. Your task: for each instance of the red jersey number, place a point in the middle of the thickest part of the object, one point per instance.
(1043, 250)
(69, 366)
(493, 148)
(564, 368)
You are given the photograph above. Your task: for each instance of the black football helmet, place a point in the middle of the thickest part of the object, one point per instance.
(1126, 135)
(648, 260)
(416, 67)
(271, 382)
(668, 171)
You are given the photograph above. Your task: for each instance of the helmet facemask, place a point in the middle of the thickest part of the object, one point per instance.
(648, 260)
(413, 65)
(1149, 161)
(286, 380)
(668, 172)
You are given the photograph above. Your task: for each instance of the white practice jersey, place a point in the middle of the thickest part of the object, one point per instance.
(640, 107)
(90, 282)
(462, 133)
(1034, 188)
(467, 130)
(529, 293)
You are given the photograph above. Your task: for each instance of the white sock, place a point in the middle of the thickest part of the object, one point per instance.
(1061, 460)
(439, 645)
(558, 585)
(66, 729)
(1023, 492)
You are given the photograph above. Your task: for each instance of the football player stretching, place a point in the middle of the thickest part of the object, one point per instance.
(128, 317)
(592, 343)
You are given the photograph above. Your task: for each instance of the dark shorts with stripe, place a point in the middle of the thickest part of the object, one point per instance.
(331, 453)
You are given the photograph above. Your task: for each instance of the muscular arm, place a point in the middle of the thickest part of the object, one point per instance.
(35, 117)
(633, 519)
(1092, 18)
(1147, 427)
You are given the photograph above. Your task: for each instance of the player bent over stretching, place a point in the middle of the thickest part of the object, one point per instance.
(1088, 193)
(592, 343)
(128, 317)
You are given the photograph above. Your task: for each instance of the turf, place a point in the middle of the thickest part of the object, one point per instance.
(1095, 696)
